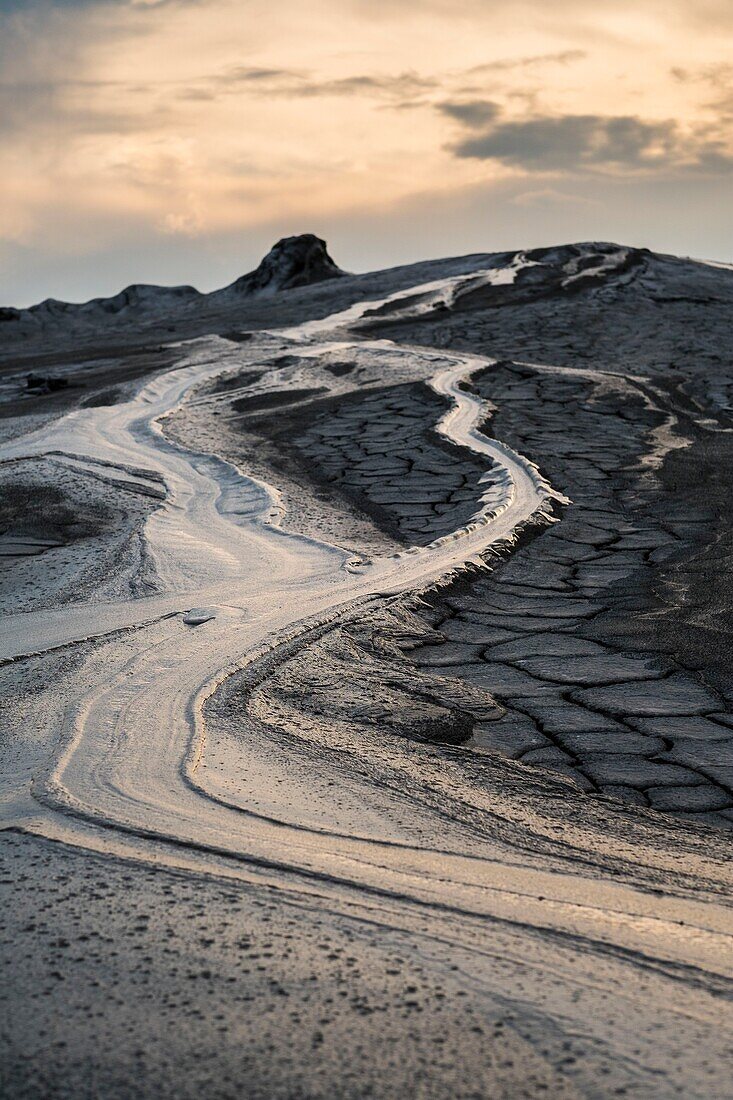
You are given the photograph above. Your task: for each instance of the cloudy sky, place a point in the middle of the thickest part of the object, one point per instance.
(174, 140)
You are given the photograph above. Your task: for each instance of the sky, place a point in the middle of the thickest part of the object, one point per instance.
(174, 141)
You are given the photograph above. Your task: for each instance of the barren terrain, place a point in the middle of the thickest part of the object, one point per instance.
(367, 705)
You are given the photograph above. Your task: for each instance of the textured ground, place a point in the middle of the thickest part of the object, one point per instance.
(636, 702)
(128, 981)
(571, 634)
(463, 837)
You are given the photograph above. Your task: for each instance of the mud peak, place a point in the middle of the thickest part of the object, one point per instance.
(291, 262)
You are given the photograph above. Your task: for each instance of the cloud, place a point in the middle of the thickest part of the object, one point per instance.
(391, 87)
(404, 89)
(44, 81)
(560, 57)
(590, 142)
(546, 196)
(470, 112)
(245, 75)
(296, 83)
(718, 77)
(12, 7)
(188, 224)
(74, 107)
(52, 88)
(75, 7)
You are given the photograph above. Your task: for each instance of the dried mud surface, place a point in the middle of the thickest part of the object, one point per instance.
(313, 786)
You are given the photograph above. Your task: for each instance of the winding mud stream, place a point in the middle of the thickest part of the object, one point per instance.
(134, 741)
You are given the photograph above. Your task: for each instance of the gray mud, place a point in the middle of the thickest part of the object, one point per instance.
(122, 980)
(496, 814)
(65, 538)
(607, 639)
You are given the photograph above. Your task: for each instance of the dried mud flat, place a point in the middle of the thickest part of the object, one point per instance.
(367, 712)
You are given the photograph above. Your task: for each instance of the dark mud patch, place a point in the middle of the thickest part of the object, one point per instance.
(228, 382)
(390, 309)
(34, 508)
(339, 369)
(684, 604)
(452, 728)
(274, 400)
(89, 375)
(105, 398)
(356, 674)
(237, 337)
